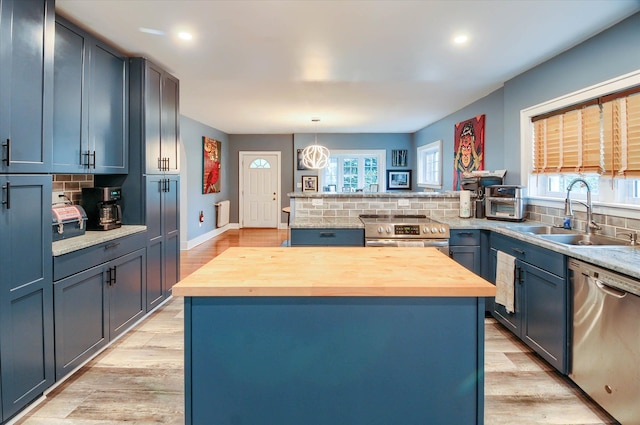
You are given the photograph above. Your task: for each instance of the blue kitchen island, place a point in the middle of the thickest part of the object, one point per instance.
(333, 336)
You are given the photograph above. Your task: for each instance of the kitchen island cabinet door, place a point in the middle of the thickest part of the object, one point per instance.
(26, 298)
(26, 85)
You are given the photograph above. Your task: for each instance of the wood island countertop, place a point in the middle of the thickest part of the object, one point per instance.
(333, 271)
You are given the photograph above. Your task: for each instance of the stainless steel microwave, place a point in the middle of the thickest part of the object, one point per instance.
(505, 202)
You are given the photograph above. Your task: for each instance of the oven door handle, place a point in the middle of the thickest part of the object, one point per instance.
(433, 243)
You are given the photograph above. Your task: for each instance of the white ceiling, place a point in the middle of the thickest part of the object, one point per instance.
(268, 67)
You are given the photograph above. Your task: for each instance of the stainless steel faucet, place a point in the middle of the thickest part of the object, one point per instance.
(591, 225)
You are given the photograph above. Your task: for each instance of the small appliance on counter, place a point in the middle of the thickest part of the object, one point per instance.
(477, 185)
(505, 202)
(102, 207)
(68, 221)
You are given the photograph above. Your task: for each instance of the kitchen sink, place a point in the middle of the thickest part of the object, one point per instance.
(543, 230)
(584, 240)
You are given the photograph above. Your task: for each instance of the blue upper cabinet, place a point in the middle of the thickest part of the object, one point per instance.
(155, 133)
(90, 120)
(26, 85)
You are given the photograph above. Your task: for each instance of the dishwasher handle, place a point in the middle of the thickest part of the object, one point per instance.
(609, 290)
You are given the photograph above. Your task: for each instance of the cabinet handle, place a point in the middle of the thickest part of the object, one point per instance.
(159, 163)
(518, 250)
(167, 164)
(327, 234)
(87, 163)
(111, 245)
(465, 233)
(7, 145)
(114, 276)
(519, 275)
(94, 160)
(7, 200)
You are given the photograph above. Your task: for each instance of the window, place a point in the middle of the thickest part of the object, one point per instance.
(593, 134)
(260, 163)
(351, 171)
(430, 165)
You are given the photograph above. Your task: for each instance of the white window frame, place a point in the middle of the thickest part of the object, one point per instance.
(381, 154)
(424, 169)
(609, 201)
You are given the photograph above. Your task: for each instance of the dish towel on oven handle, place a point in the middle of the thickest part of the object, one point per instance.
(505, 276)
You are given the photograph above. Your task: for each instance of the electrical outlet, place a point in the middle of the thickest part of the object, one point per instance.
(316, 202)
(57, 198)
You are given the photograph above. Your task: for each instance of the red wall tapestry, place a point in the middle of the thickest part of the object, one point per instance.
(468, 148)
(211, 155)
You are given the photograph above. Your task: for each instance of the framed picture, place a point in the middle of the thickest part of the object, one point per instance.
(211, 165)
(398, 179)
(468, 148)
(309, 183)
(399, 157)
(301, 166)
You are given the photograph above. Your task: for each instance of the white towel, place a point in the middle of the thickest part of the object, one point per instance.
(505, 274)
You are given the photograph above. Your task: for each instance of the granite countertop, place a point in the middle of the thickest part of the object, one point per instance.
(623, 259)
(332, 272)
(91, 238)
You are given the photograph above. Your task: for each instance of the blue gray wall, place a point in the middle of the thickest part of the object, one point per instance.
(609, 54)
(349, 141)
(492, 107)
(282, 143)
(192, 200)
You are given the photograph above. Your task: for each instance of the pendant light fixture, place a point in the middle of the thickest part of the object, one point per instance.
(315, 156)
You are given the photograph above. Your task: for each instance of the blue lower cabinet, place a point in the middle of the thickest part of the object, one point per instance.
(334, 360)
(26, 295)
(96, 305)
(327, 237)
(541, 317)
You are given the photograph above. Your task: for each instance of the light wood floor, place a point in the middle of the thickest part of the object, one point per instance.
(139, 379)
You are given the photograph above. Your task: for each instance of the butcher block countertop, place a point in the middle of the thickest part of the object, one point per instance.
(333, 271)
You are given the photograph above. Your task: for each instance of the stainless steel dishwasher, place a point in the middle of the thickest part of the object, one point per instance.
(606, 339)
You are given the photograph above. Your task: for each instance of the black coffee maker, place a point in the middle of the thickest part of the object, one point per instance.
(476, 185)
(102, 208)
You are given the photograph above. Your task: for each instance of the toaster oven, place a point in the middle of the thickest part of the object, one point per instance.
(505, 202)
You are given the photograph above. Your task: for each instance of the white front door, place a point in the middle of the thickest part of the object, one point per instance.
(259, 189)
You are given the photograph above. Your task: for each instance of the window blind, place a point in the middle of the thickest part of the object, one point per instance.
(621, 136)
(601, 135)
(568, 142)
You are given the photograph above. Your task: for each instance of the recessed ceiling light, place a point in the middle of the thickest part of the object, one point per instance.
(461, 39)
(183, 35)
(151, 31)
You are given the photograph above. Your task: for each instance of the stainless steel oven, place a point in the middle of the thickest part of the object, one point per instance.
(405, 231)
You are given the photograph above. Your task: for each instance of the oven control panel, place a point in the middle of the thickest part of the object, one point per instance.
(410, 229)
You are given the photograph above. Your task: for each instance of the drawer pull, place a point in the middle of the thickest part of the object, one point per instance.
(327, 234)
(465, 233)
(518, 250)
(111, 245)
